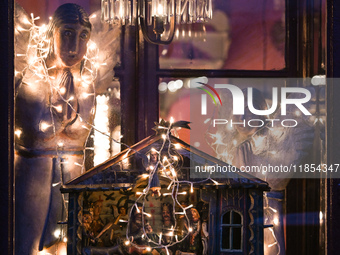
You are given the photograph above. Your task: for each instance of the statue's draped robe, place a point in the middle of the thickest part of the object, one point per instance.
(52, 140)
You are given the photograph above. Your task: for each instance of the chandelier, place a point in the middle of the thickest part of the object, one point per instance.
(157, 18)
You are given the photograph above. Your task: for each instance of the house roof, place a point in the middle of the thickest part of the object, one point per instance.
(125, 168)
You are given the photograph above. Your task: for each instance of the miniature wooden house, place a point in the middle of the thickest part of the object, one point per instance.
(206, 213)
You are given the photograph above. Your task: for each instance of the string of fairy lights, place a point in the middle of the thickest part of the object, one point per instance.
(35, 57)
(227, 155)
(258, 141)
(166, 166)
(38, 48)
(37, 52)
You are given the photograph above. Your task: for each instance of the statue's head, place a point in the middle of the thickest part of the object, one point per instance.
(69, 31)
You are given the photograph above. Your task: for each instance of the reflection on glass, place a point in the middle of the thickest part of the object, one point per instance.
(271, 145)
(243, 34)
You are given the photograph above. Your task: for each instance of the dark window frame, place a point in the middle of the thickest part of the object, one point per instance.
(231, 227)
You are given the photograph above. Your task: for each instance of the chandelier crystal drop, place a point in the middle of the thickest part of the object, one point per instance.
(160, 15)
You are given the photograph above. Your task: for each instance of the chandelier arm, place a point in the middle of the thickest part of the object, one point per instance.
(143, 9)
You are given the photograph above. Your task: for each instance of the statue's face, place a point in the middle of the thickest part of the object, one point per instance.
(70, 43)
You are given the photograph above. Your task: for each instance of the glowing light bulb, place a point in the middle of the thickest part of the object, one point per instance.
(56, 184)
(57, 233)
(274, 210)
(127, 242)
(177, 146)
(147, 214)
(160, 9)
(65, 239)
(92, 46)
(215, 182)
(148, 249)
(43, 126)
(171, 120)
(177, 33)
(18, 133)
(276, 221)
(321, 216)
(164, 136)
(186, 208)
(190, 229)
(86, 95)
(59, 108)
(272, 244)
(138, 211)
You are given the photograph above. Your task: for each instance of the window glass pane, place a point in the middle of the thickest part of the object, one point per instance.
(237, 218)
(302, 144)
(226, 218)
(243, 34)
(225, 239)
(237, 238)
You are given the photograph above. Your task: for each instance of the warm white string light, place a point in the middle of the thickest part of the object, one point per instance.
(38, 49)
(169, 162)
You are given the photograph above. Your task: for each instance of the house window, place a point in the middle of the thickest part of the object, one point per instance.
(231, 231)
